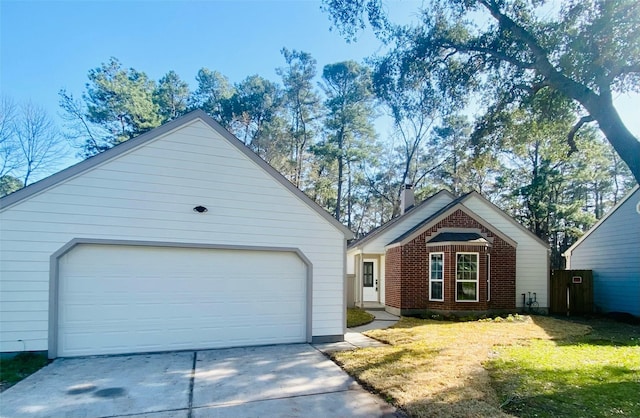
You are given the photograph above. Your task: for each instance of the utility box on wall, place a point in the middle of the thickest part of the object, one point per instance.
(571, 292)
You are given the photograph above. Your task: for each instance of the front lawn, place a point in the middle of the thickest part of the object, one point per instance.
(437, 368)
(589, 376)
(13, 370)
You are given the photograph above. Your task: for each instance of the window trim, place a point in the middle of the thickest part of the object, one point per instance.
(476, 281)
(488, 277)
(373, 273)
(431, 280)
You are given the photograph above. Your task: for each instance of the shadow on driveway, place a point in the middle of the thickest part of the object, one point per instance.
(287, 380)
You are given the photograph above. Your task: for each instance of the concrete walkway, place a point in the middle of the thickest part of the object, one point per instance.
(354, 339)
(382, 320)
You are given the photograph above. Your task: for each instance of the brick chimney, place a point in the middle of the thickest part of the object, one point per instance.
(407, 199)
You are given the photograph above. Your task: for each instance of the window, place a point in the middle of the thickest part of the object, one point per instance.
(467, 277)
(367, 274)
(436, 276)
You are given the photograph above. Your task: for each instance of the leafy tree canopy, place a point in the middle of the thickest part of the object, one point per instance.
(122, 100)
(9, 184)
(587, 50)
(171, 96)
(117, 105)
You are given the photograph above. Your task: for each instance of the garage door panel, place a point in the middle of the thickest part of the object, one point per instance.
(121, 299)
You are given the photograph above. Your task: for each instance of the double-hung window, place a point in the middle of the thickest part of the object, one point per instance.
(436, 277)
(467, 277)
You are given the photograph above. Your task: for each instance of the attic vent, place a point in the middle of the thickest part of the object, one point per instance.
(200, 209)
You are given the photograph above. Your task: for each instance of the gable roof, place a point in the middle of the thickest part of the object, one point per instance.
(443, 213)
(89, 163)
(393, 221)
(508, 217)
(633, 191)
(458, 201)
(427, 220)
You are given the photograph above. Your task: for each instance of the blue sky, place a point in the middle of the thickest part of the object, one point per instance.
(49, 45)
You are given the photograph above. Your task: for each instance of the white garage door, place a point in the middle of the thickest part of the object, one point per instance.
(124, 299)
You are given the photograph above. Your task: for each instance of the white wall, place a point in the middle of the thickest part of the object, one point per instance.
(382, 282)
(148, 194)
(612, 251)
(420, 213)
(351, 260)
(532, 256)
(377, 245)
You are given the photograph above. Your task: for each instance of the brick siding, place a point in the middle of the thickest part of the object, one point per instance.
(407, 271)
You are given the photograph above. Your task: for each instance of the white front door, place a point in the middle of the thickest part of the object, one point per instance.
(370, 283)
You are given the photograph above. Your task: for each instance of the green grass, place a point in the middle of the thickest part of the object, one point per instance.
(357, 317)
(526, 366)
(435, 368)
(597, 375)
(14, 369)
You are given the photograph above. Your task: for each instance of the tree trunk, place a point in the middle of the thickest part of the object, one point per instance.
(349, 197)
(624, 142)
(339, 197)
(340, 174)
(600, 106)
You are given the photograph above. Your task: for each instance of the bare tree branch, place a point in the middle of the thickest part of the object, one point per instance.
(572, 133)
(9, 157)
(38, 140)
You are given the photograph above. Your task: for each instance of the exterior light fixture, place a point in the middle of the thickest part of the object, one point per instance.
(200, 209)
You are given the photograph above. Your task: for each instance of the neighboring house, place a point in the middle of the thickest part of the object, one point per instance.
(181, 238)
(611, 248)
(449, 254)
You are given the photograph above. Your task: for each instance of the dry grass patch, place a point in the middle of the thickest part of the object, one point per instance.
(435, 368)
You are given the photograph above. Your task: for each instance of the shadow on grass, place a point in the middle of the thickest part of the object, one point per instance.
(597, 400)
(603, 331)
(14, 369)
(587, 390)
(357, 317)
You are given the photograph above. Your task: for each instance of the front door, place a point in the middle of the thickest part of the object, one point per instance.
(370, 281)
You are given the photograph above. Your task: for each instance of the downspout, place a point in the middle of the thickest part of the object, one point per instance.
(359, 278)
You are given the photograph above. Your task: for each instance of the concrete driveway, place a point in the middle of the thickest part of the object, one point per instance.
(275, 381)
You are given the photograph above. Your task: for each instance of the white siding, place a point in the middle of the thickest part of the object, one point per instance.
(148, 194)
(419, 214)
(532, 257)
(612, 251)
(377, 244)
(351, 259)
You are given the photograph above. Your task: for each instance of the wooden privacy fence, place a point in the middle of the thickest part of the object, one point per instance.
(571, 292)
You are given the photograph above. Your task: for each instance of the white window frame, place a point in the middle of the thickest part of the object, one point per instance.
(488, 277)
(476, 281)
(431, 280)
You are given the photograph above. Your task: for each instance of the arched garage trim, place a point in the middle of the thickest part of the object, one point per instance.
(54, 276)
